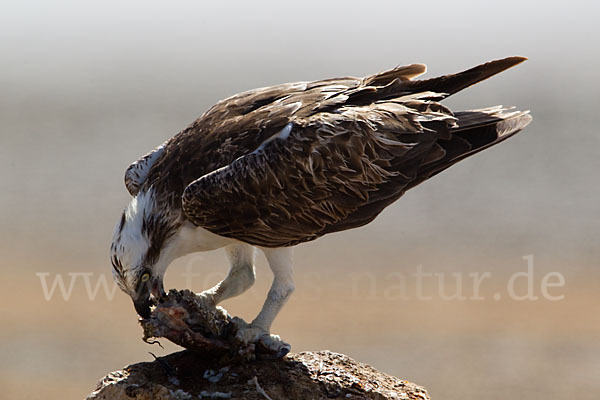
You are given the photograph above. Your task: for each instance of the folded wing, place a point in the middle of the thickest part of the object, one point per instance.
(330, 155)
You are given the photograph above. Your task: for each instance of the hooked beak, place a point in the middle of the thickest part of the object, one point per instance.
(147, 295)
(158, 289)
(142, 306)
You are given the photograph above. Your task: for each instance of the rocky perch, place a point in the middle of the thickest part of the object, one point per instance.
(309, 375)
(222, 364)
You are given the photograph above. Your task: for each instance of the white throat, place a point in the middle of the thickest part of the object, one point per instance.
(133, 237)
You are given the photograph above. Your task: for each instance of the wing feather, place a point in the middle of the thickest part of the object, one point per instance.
(137, 172)
(355, 146)
(330, 165)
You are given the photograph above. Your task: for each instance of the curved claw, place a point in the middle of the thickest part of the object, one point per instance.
(267, 346)
(274, 346)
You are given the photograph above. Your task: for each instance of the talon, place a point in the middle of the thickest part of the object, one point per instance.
(269, 346)
(206, 298)
(249, 334)
(284, 350)
(274, 346)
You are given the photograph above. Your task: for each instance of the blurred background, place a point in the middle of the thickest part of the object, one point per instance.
(88, 87)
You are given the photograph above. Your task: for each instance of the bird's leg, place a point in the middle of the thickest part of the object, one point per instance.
(280, 262)
(241, 274)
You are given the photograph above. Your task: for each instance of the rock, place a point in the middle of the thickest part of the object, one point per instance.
(308, 375)
(220, 365)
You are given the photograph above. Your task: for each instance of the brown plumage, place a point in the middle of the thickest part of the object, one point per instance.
(287, 164)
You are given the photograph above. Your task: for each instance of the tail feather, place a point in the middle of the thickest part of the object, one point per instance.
(398, 84)
(453, 83)
(476, 130)
(403, 73)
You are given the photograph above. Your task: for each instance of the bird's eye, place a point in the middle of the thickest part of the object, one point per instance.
(145, 277)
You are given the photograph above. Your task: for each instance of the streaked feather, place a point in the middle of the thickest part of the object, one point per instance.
(287, 164)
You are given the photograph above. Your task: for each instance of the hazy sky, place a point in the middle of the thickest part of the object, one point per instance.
(89, 87)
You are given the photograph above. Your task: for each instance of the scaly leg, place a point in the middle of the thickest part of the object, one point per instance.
(280, 262)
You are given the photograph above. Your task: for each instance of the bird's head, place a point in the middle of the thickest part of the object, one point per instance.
(140, 251)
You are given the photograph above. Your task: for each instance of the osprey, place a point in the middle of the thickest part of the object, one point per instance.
(274, 167)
